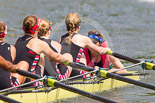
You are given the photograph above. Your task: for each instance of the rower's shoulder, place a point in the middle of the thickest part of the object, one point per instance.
(81, 37)
(56, 45)
(36, 41)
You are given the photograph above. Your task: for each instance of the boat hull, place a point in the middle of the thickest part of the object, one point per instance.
(58, 94)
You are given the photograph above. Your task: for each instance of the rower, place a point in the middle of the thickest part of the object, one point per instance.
(52, 68)
(29, 48)
(95, 60)
(74, 43)
(7, 52)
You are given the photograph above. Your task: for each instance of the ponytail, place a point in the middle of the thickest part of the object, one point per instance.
(28, 24)
(72, 22)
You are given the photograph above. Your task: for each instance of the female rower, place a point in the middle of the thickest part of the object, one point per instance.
(8, 52)
(74, 43)
(52, 68)
(93, 59)
(29, 48)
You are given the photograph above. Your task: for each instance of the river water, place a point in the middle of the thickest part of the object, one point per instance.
(128, 25)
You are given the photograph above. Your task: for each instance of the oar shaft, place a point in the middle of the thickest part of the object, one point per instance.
(132, 74)
(121, 78)
(149, 66)
(80, 66)
(81, 92)
(115, 76)
(28, 74)
(125, 58)
(9, 100)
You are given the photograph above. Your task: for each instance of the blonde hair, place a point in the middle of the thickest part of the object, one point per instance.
(29, 22)
(44, 27)
(72, 22)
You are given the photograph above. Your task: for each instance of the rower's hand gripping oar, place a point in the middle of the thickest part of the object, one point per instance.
(54, 83)
(107, 74)
(149, 65)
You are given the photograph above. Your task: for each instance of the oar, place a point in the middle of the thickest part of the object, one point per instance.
(9, 100)
(149, 66)
(132, 74)
(107, 74)
(55, 83)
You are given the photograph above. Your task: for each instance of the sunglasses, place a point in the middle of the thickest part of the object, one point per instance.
(94, 33)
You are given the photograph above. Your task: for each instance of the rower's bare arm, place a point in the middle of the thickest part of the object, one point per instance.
(6, 65)
(90, 45)
(49, 53)
(116, 62)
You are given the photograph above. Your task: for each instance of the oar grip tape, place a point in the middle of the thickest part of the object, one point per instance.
(66, 63)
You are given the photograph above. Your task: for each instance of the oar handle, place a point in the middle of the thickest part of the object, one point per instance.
(28, 74)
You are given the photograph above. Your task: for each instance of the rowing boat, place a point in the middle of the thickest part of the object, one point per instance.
(60, 89)
(40, 96)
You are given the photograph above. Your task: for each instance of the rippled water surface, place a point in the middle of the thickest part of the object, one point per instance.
(128, 25)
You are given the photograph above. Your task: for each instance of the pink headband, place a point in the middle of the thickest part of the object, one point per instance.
(4, 33)
(34, 28)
